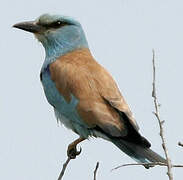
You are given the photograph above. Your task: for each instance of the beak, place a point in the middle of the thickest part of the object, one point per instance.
(29, 26)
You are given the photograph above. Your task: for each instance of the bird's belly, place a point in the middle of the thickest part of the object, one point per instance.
(65, 112)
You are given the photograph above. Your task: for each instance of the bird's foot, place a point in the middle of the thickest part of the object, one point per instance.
(72, 151)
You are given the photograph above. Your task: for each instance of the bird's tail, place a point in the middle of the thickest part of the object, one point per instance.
(137, 152)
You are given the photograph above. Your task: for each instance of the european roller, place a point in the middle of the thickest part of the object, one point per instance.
(84, 96)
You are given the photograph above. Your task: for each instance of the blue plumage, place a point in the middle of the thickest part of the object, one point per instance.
(58, 42)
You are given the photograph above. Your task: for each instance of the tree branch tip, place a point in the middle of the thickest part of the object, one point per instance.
(95, 171)
(162, 122)
(157, 106)
(147, 164)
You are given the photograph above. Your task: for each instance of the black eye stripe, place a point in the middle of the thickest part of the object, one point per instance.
(55, 24)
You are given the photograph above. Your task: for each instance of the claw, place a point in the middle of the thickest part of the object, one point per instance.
(78, 152)
(72, 152)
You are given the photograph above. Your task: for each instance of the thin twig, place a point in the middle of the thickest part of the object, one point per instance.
(180, 144)
(64, 168)
(95, 171)
(146, 164)
(156, 104)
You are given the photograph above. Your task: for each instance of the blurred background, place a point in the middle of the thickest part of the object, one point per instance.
(121, 35)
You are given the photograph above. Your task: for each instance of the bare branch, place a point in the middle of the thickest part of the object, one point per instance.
(156, 104)
(180, 144)
(95, 171)
(64, 168)
(146, 164)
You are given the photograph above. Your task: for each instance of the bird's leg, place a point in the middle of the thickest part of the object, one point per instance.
(72, 148)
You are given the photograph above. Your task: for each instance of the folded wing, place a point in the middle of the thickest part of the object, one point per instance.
(101, 104)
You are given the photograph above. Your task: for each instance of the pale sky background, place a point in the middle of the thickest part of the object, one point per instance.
(121, 35)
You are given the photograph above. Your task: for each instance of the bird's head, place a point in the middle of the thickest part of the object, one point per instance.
(58, 34)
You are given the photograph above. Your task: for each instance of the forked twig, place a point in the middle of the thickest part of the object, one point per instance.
(156, 113)
(168, 164)
(65, 166)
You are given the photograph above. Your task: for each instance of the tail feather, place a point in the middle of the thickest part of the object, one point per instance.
(139, 153)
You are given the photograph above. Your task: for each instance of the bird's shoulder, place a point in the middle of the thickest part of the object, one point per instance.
(79, 73)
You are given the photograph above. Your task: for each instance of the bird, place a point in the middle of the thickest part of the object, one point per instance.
(83, 94)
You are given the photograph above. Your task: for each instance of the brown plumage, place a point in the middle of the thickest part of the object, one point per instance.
(79, 74)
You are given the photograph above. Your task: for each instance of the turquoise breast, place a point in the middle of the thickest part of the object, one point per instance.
(64, 111)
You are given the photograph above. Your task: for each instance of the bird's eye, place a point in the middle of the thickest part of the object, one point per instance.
(56, 24)
(59, 22)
